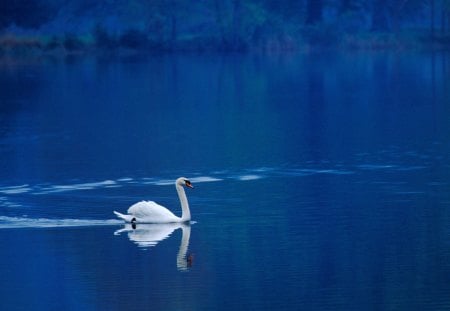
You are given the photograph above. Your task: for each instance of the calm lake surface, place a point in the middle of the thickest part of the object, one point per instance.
(322, 182)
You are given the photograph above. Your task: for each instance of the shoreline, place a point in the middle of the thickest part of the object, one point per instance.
(12, 45)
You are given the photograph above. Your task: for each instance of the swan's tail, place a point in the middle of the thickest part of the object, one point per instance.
(127, 218)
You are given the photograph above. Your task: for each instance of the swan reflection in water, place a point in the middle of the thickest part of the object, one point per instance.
(148, 235)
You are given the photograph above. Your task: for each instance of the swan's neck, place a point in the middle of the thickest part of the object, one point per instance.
(186, 213)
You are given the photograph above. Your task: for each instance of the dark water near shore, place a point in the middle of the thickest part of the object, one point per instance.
(322, 182)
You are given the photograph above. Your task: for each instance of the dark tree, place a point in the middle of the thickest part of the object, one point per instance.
(173, 21)
(314, 10)
(286, 8)
(220, 20)
(380, 21)
(237, 41)
(347, 5)
(432, 17)
(26, 13)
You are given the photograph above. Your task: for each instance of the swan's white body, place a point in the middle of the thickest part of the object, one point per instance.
(150, 212)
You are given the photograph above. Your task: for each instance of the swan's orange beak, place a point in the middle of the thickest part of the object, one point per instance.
(188, 184)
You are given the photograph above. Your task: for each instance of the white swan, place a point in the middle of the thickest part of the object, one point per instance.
(152, 213)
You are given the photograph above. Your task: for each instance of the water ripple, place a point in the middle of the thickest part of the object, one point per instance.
(364, 166)
(75, 187)
(15, 189)
(25, 222)
(249, 177)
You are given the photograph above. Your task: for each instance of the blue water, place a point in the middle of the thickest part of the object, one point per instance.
(322, 182)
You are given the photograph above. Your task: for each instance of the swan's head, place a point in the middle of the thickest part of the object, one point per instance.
(183, 181)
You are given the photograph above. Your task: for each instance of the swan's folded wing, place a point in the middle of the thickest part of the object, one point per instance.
(149, 210)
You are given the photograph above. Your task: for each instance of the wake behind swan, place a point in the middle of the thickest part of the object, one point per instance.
(7, 222)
